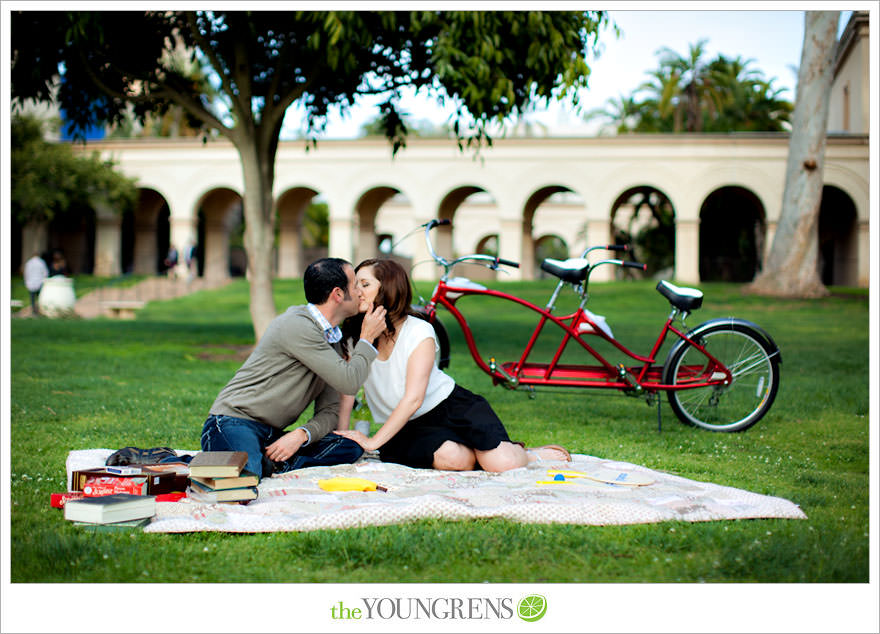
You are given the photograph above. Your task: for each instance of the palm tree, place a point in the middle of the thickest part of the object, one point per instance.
(746, 101)
(621, 114)
(694, 82)
(663, 101)
(687, 94)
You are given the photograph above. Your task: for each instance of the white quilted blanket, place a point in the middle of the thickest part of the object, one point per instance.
(294, 502)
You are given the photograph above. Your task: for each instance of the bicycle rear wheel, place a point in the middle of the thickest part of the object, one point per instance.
(753, 363)
(442, 337)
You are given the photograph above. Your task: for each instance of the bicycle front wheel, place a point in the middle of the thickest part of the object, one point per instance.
(753, 363)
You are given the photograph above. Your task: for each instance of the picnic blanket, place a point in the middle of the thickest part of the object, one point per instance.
(294, 501)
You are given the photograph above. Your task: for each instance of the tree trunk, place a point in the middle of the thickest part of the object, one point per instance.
(258, 166)
(791, 269)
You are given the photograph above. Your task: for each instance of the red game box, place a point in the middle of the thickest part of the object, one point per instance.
(95, 482)
(58, 500)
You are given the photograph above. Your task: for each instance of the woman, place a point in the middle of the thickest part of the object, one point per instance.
(427, 420)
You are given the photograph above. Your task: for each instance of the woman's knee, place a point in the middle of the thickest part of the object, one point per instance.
(452, 456)
(505, 457)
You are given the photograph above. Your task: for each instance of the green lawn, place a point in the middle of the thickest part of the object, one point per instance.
(82, 284)
(82, 384)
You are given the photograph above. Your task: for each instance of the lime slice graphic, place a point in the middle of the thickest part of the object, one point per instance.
(532, 607)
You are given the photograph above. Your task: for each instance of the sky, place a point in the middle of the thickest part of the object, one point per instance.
(773, 39)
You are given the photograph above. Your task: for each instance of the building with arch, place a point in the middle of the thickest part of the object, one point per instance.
(720, 197)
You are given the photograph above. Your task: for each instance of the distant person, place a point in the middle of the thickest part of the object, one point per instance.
(190, 256)
(35, 273)
(170, 261)
(58, 265)
(298, 361)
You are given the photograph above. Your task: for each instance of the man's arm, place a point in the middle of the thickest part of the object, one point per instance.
(322, 423)
(326, 415)
(317, 355)
(346, 405)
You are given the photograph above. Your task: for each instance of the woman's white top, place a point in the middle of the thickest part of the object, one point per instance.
(386, 382)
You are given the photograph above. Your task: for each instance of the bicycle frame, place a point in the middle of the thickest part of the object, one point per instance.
(643, 376)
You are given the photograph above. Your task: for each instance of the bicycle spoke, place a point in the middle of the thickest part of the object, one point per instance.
(756, 360)
(729, 407)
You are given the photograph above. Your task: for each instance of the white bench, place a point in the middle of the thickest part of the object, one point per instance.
(17, 303)
(122, 308)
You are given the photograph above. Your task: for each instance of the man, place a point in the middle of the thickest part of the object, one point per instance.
(35, 273)
(171, 261)
(297, 361)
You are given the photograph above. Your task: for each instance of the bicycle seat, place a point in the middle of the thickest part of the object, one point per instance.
(572, 270)
(686, 299)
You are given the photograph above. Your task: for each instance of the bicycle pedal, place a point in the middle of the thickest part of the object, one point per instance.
(634, 388)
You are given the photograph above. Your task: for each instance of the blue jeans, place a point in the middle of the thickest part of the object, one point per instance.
(227, 433)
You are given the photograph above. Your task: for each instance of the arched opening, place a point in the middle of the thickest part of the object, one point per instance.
(126, 239)
(163, 237)
(302, 230)
(732, 230)
(549, 246)
(72, 238)
(644, 218)
(838, 238)
(366, 217)
(222, 235)
(392, 222)
(145, 235)
(554, 209)
(472, 212)
(15, 242)
(487, 245)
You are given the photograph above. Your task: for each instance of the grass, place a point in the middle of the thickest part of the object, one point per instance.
(82, 384)
(82, 284)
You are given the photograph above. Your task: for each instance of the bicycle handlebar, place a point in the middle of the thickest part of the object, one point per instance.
(493, 260)
(632, 265)
(605, 247)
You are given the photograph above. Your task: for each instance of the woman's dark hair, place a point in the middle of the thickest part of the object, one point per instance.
(395, 295)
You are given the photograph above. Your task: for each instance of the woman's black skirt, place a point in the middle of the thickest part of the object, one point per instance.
(464, 417)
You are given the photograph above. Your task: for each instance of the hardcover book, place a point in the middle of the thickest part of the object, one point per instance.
(200, 493)
(119, 507)
(130, 525)
(246, 479)
(218, 464)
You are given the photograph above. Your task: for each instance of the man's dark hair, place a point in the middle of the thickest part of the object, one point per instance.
(322, 276)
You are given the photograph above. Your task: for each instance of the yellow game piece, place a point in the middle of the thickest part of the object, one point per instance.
(349, 484)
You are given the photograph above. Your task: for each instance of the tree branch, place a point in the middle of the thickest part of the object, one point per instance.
(227, 83)
(241, 73)
(194, 107)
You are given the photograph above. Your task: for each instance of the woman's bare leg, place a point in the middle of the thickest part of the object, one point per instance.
(452, 456)
(508, 455)
(504, 457)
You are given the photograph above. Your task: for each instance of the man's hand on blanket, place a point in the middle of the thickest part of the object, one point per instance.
(286, 446)
(365, 442)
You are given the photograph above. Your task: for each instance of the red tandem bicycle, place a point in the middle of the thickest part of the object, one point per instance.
(722, 375)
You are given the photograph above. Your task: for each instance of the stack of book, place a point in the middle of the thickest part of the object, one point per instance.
(119, 511)
(220, 476)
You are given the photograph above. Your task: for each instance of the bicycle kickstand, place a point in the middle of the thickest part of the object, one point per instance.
(659, 423)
